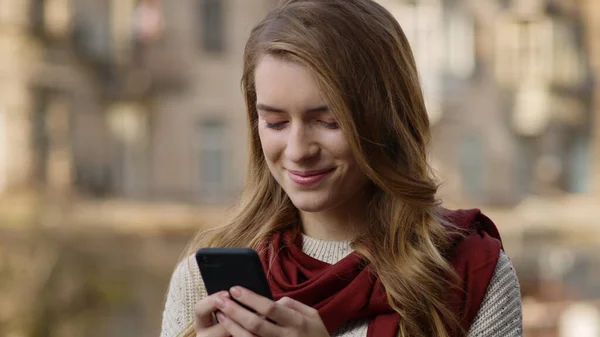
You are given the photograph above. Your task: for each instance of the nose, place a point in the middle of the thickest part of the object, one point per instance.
(300, 144)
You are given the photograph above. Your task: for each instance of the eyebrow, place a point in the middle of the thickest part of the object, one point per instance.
(264, 107)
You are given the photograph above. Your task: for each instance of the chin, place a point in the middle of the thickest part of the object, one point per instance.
(309, 203)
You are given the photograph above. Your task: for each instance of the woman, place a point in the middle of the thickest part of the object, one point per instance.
(340, 201)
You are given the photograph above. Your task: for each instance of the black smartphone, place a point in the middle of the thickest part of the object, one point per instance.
(223, 268)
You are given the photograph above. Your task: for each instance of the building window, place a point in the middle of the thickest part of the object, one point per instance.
(3, 149)
(92, 33)
(212, 25)
(128, 126)
(578, 161)
(569, 64)
(544, 49)
(472, 166)
(41, 136)
(525, 158)
(423, 25)
(37, 13)
(460, 43)
(524, 50)
(213, 149)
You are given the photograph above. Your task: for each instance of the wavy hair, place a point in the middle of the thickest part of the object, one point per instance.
(363, 63)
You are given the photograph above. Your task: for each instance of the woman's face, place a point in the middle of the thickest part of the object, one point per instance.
(305, 150)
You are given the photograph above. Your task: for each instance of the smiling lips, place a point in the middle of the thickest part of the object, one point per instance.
(308, 178)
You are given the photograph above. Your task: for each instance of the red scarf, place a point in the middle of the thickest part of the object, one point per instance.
(349, 290)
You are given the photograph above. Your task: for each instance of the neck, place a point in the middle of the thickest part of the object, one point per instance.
(341, 223)
(333, 225)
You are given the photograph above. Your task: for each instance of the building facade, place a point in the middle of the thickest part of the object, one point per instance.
(19, 51)
(590, 12)
(134, 99)
(149, 98)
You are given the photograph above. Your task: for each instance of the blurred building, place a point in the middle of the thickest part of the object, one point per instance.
(140, 100)
(19, 51)
(511, 100)
(126, 98)
(590, 13)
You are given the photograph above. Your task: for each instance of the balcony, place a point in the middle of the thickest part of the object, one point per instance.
(166, 65)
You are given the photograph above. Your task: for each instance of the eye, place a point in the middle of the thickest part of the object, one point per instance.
(330, 125)
(275, 126)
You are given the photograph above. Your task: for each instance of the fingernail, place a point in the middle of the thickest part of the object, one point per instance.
(220, 317)
(219, 302)
(235, 292)
(224, 294)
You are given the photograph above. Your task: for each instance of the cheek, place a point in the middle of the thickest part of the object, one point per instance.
(340, 149)
(270, 145)
(342, 152)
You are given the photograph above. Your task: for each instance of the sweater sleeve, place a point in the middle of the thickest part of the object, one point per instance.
(185, 290)
(500, 314)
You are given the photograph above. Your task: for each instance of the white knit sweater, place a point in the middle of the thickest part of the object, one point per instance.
(499, 315)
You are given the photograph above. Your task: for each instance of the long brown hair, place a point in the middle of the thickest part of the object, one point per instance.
(364, 65)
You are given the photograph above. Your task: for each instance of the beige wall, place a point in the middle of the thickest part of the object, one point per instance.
(19, 55)
(210, 89)
(214, 93)
(591, 14)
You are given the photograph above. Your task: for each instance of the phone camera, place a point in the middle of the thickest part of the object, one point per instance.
(205, 259)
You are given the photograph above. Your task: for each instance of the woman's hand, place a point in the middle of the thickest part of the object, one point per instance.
(204, 310)
(291, 318)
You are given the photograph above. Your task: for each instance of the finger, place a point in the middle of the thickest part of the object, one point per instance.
(281, 315)
(299, 307)
(231, 327)
(248, 320)
(204, 309)
(217, 330)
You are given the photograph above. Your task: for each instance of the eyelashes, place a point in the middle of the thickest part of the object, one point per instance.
(281, 125)
(275, 126)
(332, 125)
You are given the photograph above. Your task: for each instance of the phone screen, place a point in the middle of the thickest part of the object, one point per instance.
(223, 268)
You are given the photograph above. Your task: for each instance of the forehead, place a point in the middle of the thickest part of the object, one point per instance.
(280, 81)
